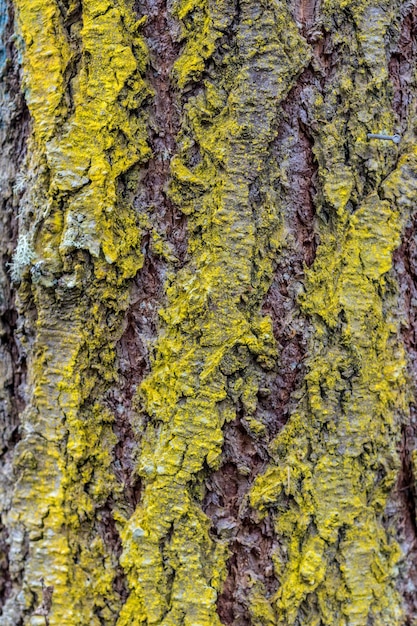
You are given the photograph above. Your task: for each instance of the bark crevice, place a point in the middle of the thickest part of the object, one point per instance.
(164, 247)
(403, 502)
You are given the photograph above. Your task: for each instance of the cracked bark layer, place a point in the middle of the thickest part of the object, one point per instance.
(205, 248)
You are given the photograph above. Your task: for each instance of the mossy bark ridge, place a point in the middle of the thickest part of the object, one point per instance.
(207, 304)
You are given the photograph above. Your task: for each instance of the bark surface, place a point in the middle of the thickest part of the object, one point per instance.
(208, 313)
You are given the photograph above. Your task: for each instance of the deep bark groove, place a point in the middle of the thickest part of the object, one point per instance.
(402, 67)
(403, 506)
(163, 223)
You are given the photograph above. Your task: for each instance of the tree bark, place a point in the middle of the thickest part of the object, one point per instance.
(208, 313)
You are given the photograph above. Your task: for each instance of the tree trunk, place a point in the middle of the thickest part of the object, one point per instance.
(208, 313)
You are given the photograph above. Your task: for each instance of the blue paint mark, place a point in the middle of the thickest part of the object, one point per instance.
(3, 23)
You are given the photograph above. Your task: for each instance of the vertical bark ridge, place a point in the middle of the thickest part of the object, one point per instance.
(214, 342)
(251, 541)
(336, 461)
(78, 249)
(14, 129)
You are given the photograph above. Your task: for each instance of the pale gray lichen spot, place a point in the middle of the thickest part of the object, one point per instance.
(22, 258)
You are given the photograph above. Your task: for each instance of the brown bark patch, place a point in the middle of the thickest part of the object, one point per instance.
(251, 541)
(164, 125)
(291, 330)
(148, 193)
(403, 506)
(404, 500)
(150, 199)
(305, 14)
(401, 66)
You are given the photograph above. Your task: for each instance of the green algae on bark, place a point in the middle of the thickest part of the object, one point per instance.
(88, 130)
(213, 337)
(336, 461)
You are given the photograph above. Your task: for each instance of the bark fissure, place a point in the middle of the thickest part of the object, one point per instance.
(402, 67)
(306, 14)
(403, 505)
(402, 72)
(164, 247)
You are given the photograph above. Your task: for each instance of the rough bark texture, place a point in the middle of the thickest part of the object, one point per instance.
(208, 313)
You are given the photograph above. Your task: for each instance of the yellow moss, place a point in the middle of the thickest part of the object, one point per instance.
(261, 611)
(200, 36)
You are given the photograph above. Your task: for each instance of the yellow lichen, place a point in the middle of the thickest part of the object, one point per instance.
(212, 333)
(86, 242)
(334, 463)
(336, 562)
